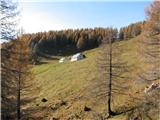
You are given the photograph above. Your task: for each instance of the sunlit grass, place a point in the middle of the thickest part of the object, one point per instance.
(69, 81)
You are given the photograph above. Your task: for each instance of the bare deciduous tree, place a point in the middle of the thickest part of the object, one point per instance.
(112, 70)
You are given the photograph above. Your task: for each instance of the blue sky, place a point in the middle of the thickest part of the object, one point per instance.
(52, 15)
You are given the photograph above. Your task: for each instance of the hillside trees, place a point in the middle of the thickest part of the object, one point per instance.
(153, 13)
(131, 30)
(72, 41)
(152, 52)
(112, 71)
(151, 42)
(62, 42)
(121, 34)
(149, 107)
(80, 43)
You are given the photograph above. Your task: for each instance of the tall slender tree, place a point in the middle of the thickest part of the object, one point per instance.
(17, 67)
(112, 70)
(14, 62)
(8, 20)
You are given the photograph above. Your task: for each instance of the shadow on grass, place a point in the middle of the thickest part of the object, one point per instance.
(8, 109)
(35, 113)
(41, 62)
(122, 110)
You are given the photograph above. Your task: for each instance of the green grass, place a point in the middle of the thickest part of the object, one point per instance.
(58, 78)
(71, 81)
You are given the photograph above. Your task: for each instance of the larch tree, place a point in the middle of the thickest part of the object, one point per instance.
(15, 66)
(111, 70)
(8, 20)
(22, 69)
(16, 69)
(153, 19)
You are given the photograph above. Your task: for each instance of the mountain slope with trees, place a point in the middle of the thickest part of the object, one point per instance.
(74, 84)
(71, 41)
(130, 61)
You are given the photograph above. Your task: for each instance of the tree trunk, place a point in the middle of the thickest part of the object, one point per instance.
(110, 78)
(18, 99)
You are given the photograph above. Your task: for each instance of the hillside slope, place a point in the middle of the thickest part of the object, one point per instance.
(64, 91)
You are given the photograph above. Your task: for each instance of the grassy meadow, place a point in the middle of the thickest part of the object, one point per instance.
(67, 87)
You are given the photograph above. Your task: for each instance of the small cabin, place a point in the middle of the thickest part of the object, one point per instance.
(62, 60)
(77, 57)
